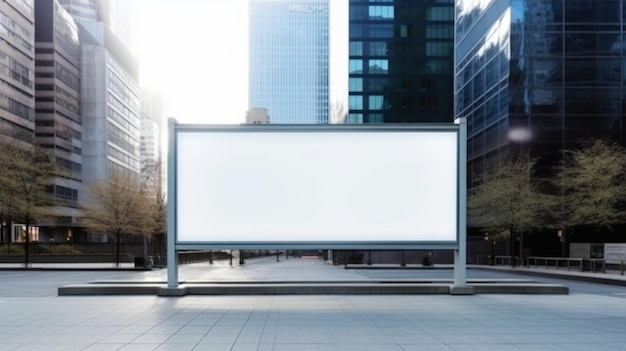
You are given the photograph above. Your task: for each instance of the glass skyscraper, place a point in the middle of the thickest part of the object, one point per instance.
(552, 71)
(401, 60)
(289, 60)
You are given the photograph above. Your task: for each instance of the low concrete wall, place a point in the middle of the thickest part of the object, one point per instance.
(39, 258)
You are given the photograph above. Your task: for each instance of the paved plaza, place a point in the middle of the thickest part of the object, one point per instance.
(33, 317)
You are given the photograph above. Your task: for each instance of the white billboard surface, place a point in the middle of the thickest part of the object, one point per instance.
(321, 186)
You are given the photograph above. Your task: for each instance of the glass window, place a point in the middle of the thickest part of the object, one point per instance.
(356, 66)
(378, 48)
(356, 102)
(504, 102)
(356, 31)
(605, 72)
(356, 48)
(592, 102)
(492, 73)
(381, 30)
(438, 66)
(596, 11)
(381, 12)
(376, 102)
(377, 84)
(378, 66)
(439, 31)
(358, 12)
(492, 137)
(590, 44)
(438, 49)
(356, 84)
(492, 109)
(355, 118)
(376, 118)
(437, 13)
(479, 83)
(404, 31)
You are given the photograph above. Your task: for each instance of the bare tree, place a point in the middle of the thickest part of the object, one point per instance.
(155, 219)
(116, 207)
(25, 179)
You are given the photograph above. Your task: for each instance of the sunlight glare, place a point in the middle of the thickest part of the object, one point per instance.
(194, 53)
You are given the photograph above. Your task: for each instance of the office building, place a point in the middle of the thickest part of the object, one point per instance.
(17, 67)
(151, 141)
(110, 106)
(110, 94)
(401, 61)
(113, 13)
(17, 76)
(289, 59)
(58, 124)
(538, 76)
(81, 10)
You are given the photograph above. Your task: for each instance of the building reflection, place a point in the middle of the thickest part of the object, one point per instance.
(554, 67)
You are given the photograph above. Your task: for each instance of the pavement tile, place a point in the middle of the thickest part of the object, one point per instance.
(104, 347)
(32, 317)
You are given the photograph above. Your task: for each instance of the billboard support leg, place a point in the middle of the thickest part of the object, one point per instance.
(172, 288)
(460, 286)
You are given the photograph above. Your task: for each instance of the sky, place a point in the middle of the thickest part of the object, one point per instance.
(194, 53)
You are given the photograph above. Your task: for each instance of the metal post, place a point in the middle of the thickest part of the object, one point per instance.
(172, 255)
(460, 254)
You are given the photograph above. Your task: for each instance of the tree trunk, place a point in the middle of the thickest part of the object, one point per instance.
(117, 250)
(27, 248)
(512, 245)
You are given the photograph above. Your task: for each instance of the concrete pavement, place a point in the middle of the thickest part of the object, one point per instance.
(32, 317)
(265, 276)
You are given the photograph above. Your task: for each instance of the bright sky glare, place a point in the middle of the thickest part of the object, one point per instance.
(195, 54)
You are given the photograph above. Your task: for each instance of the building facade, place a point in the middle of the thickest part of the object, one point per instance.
(17, 67)
(289, 59)
(111, 109)
(58, 124)
(81, 10)
(111, 106)
(17, 77)
(151, 141)
(401, 61)
(538, 76)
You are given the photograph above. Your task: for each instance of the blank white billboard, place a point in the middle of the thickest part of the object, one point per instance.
(259, 185)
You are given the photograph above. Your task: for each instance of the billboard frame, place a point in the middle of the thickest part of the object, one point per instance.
(174, 245)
